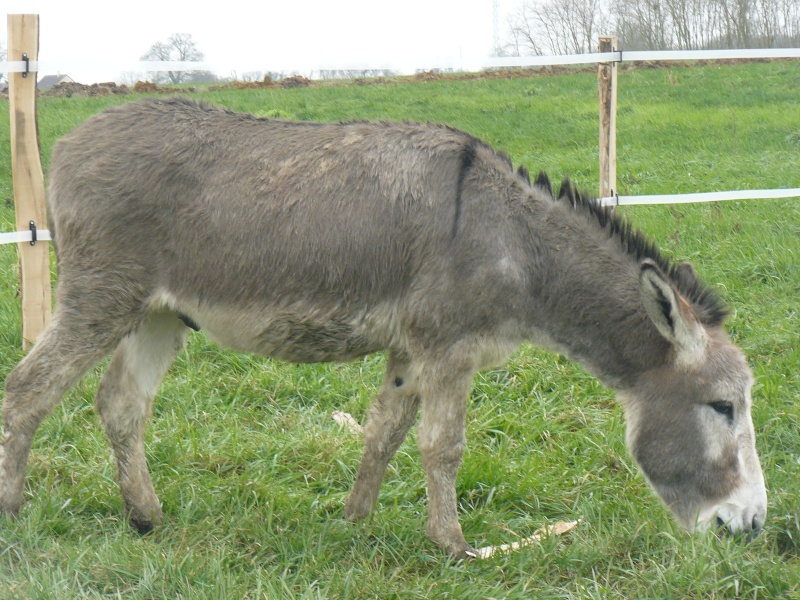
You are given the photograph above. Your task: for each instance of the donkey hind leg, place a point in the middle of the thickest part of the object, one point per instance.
(390, 417)
(65, 351)
(124, 400)
(445, 391)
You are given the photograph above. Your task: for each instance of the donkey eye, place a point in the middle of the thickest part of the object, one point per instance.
(724, 408)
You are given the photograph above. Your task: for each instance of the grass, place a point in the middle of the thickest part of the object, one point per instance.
(253, 473)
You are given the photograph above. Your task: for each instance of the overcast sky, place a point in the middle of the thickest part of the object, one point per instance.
(93, 40)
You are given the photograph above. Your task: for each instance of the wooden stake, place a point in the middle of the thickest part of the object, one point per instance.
(26, 168)
(607, 94)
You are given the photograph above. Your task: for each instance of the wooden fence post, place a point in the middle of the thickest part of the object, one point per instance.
(26, 168)
(607, 94)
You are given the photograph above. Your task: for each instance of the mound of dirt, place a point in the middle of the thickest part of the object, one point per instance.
(428, 76)
(295, 81)
(267, 82)
(145, 87)
(79, 90)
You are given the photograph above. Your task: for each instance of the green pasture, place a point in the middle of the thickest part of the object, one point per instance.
(253, 472)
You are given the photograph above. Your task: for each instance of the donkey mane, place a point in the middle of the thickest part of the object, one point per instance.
(707, 304)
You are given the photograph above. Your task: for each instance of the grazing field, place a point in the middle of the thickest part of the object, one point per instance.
(253, 472)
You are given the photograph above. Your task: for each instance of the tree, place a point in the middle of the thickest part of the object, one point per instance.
(179, 47)
(557, 26)
(572, 26)
(642, 25)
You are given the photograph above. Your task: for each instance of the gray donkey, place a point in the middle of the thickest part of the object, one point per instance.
(326, 242)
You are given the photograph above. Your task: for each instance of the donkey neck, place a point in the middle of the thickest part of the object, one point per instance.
(587, 298)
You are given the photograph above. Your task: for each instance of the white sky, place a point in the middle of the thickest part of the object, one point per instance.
(93, 40)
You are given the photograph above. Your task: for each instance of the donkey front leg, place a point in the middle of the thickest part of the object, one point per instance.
(390, 418)
(124, 401)
(445, 392)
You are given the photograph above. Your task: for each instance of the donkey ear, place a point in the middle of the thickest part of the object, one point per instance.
(671, 313)
(686, 270)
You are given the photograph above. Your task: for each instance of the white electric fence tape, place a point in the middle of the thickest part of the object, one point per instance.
(644, 55)
(21, 66)
(700, 197)
(632, 55)
(16, 237)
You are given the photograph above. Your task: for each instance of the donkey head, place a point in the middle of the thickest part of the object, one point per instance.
(688, 422)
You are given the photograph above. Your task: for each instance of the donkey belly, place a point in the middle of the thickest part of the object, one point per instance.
(308, 340)
(296, 334)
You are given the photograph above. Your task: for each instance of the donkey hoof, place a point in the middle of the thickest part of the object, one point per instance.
(355, 516)
(463, 552)
(145, 522)
(143, 527)
(9, 507)
(456, 547)
(355, 510)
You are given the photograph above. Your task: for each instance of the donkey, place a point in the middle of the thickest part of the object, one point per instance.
(326, 242)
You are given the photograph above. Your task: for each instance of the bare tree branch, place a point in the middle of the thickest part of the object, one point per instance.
(178, 47)
(572, 26)
(557, 26)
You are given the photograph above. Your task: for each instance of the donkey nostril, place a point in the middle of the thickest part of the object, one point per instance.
(758, 522)
(720, 522)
